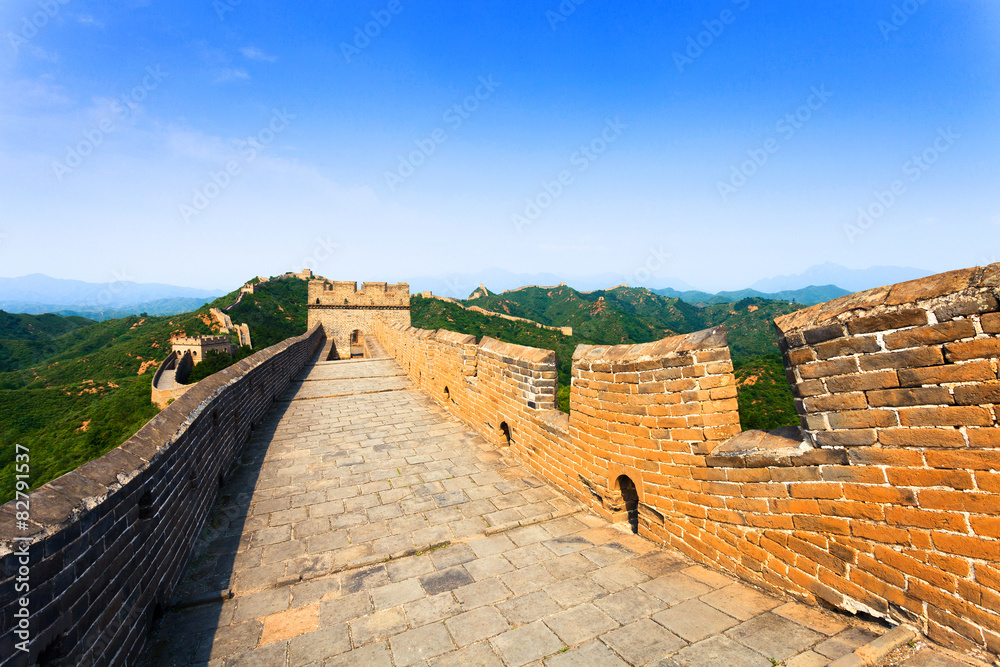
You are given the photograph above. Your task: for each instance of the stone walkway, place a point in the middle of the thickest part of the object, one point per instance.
(367, 526)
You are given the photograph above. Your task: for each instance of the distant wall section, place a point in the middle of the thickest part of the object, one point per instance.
(341, 308)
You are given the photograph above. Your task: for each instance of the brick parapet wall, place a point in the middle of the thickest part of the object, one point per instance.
(887, 503)
(903, 379)
(108, 542)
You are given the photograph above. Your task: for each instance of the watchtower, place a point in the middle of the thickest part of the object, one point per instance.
(347, 313)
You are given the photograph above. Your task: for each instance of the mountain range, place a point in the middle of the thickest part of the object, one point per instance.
(816, 284)
(638, 315)
(38, 293)
(852, 280)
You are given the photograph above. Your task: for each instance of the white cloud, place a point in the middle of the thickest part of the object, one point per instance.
(227, 74)
(35, 94)
(87, 19)
(253, 53)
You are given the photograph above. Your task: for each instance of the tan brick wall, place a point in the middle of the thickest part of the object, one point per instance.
(341, 308)
(890, 507)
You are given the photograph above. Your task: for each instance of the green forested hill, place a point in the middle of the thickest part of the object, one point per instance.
(72, 389)
(637, 315)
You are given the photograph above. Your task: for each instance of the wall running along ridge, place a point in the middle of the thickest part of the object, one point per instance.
(888, 503)
(109, 541)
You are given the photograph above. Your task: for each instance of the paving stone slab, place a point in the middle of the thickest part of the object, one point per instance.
(421, 644)
(694, 620)
(630, 605)
(445, 580)
(572, 592)
(377, 626)
(643, 641)
(591, 654)
(526, 644)
(528, 608)
(740, 601)
(775, 636)
(318, 645)
(397, 594)
(720, 651)
(485, 592)
(844, 642)
(476, 655)
(815, 619)
(431, 609)
(476, 625)
(579, 624)
(375, 655)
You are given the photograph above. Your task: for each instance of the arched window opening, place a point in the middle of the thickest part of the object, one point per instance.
(357, 344)
(630, 496)
(447, 395)
(146, 506)
(505, 429)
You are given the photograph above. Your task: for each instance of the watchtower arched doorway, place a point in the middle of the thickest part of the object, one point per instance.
(630, 496)
(357, 344)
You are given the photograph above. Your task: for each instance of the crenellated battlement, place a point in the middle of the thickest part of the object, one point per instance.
(346, 293)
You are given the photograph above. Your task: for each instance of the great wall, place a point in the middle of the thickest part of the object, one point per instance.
(424, 500)
(169, 381)
(566, 331)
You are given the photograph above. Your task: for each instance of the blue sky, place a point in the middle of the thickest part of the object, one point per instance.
(203, 142)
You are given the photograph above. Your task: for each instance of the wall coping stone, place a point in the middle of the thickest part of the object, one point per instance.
(699, 340)
(931, 292)
(520, 352)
